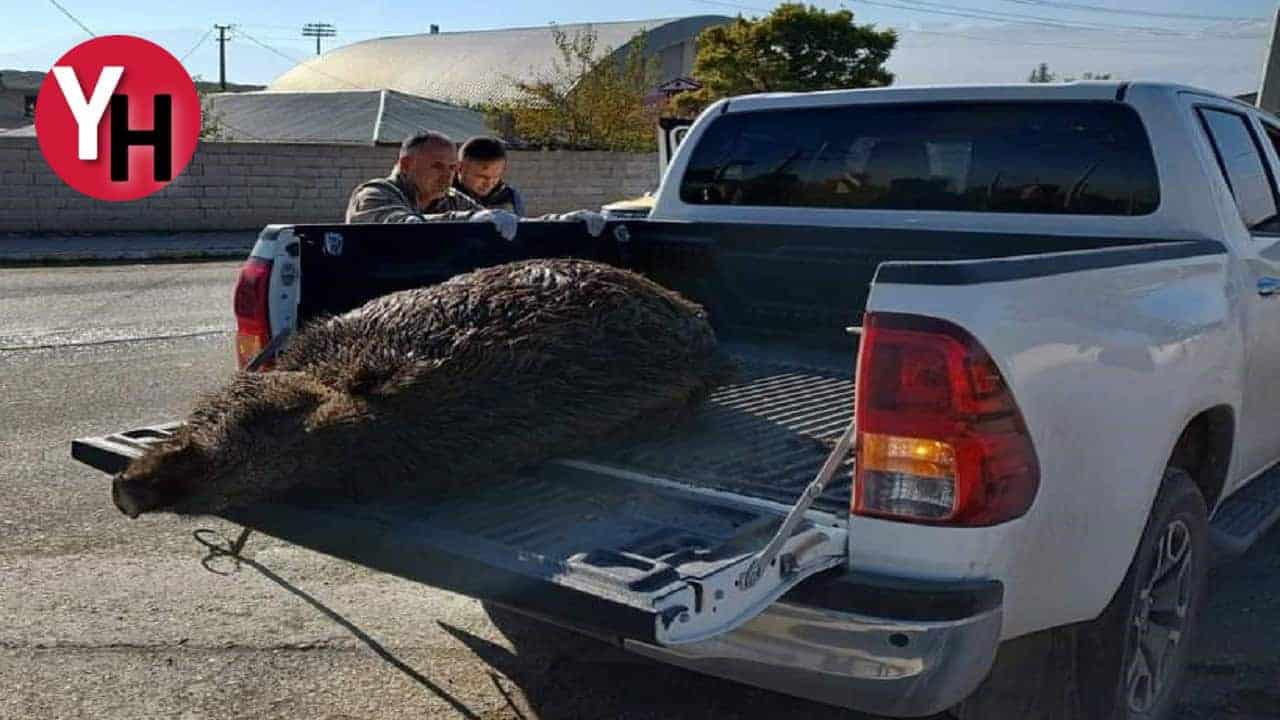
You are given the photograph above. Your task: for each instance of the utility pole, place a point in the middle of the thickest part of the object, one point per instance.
(222, 55)
(317, 31)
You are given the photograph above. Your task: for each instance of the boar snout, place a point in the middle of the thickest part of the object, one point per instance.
(134, 498)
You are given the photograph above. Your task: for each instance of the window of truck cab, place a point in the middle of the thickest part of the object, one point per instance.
(1244, 167)
(1048, 157)
(1271, 131)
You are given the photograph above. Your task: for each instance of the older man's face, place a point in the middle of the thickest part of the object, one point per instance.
(480, 177)
(431, 170)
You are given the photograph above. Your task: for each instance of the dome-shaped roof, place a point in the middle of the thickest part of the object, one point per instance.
(471, 67)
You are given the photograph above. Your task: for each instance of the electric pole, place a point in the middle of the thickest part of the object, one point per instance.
(222, 55)
(317, 31)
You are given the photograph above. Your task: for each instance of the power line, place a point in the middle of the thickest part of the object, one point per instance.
(291, 40)
(1003, 41)
(925, 7)
(739, 6)
(264, 46)
(947, 9)
(933, 8)
(74, 19)
(295, 27)
(1082, 23)
(1136, 13)
(195, 47)
(240, 31)
(977, 38)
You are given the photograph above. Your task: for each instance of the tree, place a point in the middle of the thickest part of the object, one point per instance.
(211, 123)
(592, 99)
(794, 48)
(1041, 74)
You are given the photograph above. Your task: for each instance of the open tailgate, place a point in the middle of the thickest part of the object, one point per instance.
(604, 550)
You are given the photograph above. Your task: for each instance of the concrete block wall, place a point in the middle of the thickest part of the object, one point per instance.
(240, 186)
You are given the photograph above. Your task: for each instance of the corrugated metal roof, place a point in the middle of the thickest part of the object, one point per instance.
(345, 117)
(21, 79)
(471, 67)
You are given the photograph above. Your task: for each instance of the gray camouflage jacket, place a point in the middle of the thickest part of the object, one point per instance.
(393, 200)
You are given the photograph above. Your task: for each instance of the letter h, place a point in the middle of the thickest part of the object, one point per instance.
(159, 137)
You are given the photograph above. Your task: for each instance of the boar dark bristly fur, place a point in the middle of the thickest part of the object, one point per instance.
(456, 383)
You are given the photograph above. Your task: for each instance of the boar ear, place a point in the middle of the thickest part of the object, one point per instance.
(171, 462)
(188, 459)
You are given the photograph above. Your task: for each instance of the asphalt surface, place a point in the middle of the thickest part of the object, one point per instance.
(105, 617)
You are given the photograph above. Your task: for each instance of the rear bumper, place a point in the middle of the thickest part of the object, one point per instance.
(875, 644)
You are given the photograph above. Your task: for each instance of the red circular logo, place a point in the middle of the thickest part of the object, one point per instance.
(118, 118)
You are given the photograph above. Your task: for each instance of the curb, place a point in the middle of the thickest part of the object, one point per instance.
(88, 258)
(35, 249)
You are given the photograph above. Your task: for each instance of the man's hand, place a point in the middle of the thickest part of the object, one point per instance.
(594, 220)
(504, 222)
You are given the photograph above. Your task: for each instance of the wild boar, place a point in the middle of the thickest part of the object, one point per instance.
(438, 387)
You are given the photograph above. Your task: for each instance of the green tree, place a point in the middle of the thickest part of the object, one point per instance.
(593, 98)
(211, 124)
(794, 48)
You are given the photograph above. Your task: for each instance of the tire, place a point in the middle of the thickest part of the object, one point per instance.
(1086, 671)
(1133, 659)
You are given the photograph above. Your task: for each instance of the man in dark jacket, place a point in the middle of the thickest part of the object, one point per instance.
(482, 163)
(419, 190)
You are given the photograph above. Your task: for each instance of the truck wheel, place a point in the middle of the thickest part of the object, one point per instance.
(1133, 658)
(1128, 663)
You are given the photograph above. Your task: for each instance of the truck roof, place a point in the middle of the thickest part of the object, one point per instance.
(1090, 90)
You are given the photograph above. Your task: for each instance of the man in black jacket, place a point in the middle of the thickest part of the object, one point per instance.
(482, 163)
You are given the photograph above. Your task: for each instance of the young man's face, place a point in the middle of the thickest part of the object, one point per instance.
(480, 177)
(431, 170)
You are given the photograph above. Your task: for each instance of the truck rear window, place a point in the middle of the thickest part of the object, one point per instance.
(1076, 158)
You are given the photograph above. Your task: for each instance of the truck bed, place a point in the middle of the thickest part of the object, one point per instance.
(579, 540)
(765, 435)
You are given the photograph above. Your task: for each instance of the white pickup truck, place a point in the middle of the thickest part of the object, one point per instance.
(1059, 306)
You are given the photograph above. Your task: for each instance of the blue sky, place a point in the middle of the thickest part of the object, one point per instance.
(942, 40)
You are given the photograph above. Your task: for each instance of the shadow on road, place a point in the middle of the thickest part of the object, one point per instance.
(559, 673)
(562, 674)
(219, 547)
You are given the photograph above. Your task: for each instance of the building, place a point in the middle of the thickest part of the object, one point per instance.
(379, 91)
(340, 117)
(475, 68)
(18, 92)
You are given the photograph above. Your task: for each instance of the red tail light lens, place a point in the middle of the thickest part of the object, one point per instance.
(940, 438)
(253, 321)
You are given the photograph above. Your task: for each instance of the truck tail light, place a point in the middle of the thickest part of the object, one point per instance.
(940, 439)
(253, 323)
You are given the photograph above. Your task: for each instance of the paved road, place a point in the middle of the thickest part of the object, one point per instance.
(110, 618)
